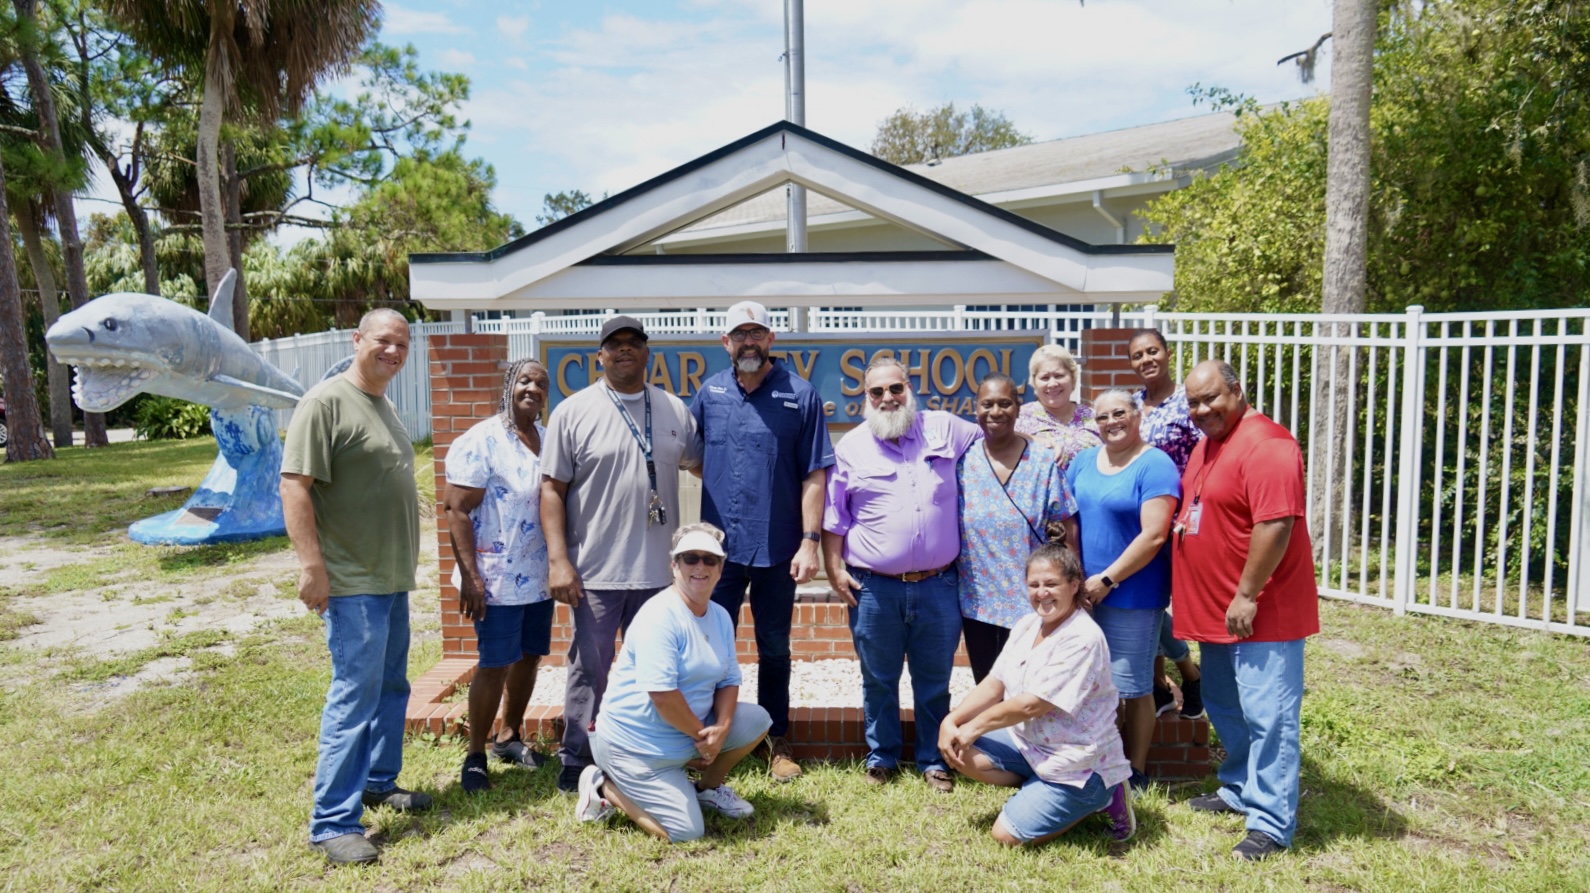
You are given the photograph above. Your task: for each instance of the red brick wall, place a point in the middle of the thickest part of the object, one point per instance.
(466, 385)
(1104, 362)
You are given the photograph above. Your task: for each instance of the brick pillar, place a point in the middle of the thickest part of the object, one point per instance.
(466, 384)
(1104, 362)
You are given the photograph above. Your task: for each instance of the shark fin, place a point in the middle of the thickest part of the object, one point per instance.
(221, 304)
(338, 368)
(261, 390)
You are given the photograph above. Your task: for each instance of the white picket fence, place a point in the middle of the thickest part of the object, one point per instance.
(1462, 491)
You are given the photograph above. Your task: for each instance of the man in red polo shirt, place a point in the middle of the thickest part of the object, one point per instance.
(1243, 586)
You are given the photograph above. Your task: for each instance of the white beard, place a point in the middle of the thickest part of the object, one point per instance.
(891, 425)
(748, 365)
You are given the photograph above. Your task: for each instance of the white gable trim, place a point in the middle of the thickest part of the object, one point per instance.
(781, 154)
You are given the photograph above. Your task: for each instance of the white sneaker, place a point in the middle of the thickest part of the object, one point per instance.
(726, 801)
(591, 805)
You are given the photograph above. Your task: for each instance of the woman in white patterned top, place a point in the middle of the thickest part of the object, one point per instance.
(493, 506)
(1043, 720)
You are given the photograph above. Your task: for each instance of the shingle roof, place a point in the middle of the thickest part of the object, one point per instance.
(1188, 143)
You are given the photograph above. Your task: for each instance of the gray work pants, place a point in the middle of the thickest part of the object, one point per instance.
(598, 619)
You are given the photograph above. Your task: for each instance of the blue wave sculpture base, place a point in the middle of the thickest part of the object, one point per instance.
(239, 499)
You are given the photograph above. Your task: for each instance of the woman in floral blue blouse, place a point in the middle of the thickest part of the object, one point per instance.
(1013, 498)
(1167, 424)
(493, 505)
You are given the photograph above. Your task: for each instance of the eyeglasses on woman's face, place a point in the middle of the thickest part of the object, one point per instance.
(739, 336)
(695, 558)
(896, 389)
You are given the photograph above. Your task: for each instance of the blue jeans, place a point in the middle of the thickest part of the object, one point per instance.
(895, 622)
(1172, 648)
(772, 607)
(361, 729)
(1254, 694)
(1039, 808)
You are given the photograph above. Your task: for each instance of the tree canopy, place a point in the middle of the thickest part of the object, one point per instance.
(1480, 174)
(910, 137)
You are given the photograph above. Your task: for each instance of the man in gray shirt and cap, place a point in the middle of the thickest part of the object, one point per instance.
(609, 504)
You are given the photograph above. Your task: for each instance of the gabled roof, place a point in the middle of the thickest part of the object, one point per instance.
(518, 273)
(1082, 163)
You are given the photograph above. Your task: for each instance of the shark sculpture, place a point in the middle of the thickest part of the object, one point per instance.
(124, 344)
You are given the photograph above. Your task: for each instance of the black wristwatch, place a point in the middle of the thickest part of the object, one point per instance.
(812, 535)
(1105, 579)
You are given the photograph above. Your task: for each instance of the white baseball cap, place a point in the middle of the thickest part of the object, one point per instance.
(699, 541)
(746, 312)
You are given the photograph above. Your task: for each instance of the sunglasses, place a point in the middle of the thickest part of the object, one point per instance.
(695, 558)
(896, 389)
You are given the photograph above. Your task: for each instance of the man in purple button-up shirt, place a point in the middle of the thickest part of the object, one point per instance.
(891, 534)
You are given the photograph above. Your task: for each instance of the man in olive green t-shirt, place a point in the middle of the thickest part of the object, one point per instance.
(352, 514)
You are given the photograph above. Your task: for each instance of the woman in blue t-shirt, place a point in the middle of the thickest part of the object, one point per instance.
(672, 704)
(1126, 493)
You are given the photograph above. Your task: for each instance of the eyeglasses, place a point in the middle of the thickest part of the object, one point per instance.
(695, 558)
(1117, 416)
(896, 389)
(740, 335)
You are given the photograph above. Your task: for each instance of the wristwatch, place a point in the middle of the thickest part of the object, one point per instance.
(812, 535)
(1105, 579)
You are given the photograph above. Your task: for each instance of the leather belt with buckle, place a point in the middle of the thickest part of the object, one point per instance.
(915, 576)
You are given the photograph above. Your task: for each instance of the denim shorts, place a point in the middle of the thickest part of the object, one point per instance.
(510, 632)
(1133, 637)
(1039, 808)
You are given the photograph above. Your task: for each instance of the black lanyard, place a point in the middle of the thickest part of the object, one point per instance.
(656, 514)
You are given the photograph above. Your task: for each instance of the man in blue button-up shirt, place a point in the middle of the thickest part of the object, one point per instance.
(763, 471)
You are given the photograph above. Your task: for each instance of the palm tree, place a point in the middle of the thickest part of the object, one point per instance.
(22, 408)
(60, 195)
(264, 55)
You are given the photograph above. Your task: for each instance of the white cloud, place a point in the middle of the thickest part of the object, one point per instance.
(633, 94)
(400, 20)
(454, 59)
(513, 27)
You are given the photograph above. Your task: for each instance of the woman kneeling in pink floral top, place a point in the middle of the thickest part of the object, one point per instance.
(1044, 719)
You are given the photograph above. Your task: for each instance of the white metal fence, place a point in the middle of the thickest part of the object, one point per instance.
(1457, 488)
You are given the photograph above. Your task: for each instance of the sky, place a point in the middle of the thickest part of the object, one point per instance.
(600, 95)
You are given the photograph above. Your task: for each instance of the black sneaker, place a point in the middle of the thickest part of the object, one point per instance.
(1212, 803)
(1192, 699)
(398, 799)
(1257, 846)
(474, 778)
(1164, 700)
(1138, 782)
(347, 849)
(569, 779)
(517, 753)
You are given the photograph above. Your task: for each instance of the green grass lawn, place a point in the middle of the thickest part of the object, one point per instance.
(1437, 756)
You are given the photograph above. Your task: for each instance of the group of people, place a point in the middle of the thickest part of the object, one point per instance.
(1050, 537)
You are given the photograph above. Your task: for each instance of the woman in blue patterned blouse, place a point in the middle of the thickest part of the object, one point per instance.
(493, 506)
(1013, 498)
(1167, 424)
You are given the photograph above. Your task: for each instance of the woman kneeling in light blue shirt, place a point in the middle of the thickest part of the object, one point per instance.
(672, 704)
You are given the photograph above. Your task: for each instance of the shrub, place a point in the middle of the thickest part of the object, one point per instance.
(167, 418)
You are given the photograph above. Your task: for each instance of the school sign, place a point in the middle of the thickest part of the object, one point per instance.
(944, 369)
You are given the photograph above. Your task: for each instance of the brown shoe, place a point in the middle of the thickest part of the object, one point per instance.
(941, 781)
(781, 760)
(879, 775)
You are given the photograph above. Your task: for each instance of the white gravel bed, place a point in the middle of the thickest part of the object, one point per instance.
(813, 683)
